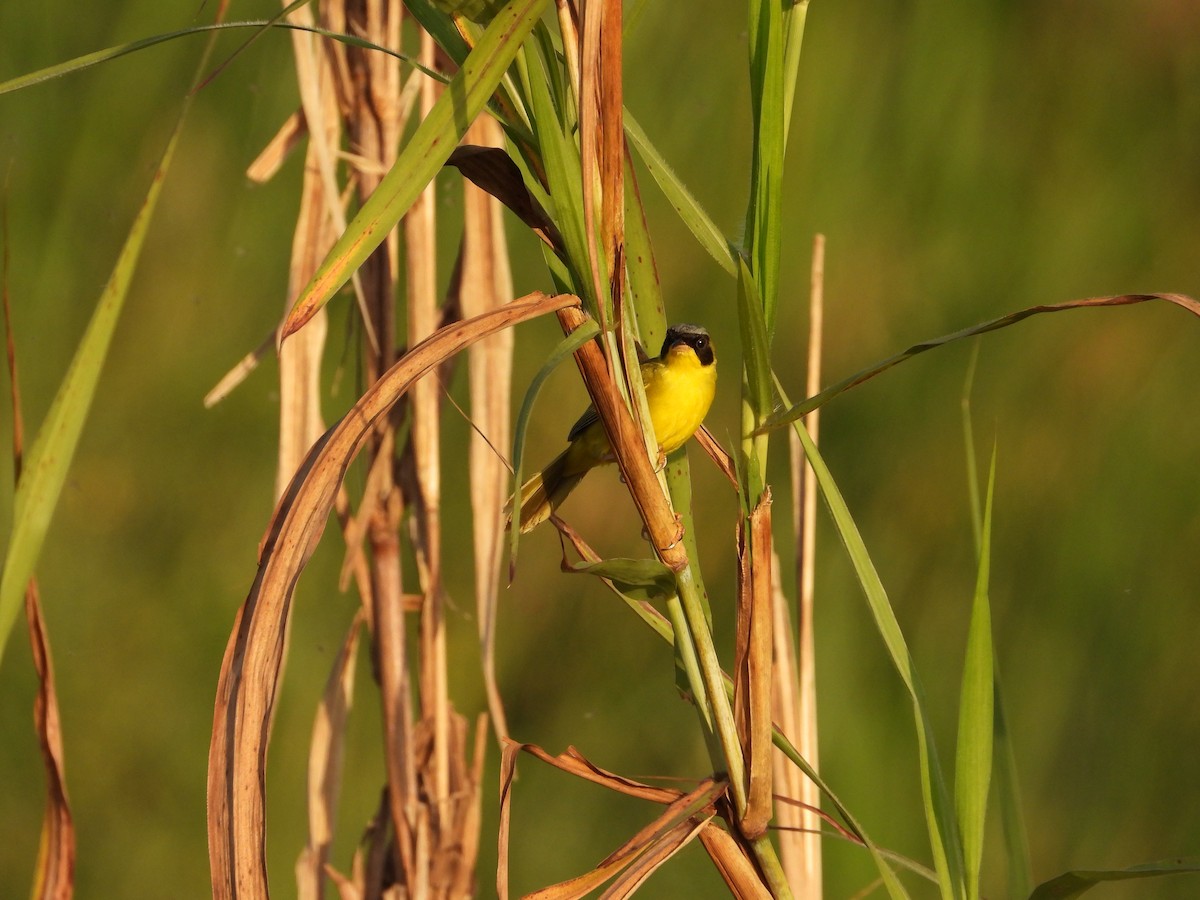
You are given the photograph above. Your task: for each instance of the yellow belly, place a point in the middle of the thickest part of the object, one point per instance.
(678, 393)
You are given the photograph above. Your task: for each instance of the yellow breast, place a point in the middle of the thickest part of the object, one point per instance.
(679, 391)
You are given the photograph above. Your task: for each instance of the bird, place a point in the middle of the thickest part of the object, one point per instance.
(680, 384)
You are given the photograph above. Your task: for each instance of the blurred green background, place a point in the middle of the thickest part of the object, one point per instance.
(964, 160)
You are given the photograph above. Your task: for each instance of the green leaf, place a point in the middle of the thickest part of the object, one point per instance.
(425, 153)
(79, 63)
(767, 90)
(562, 350)
(973, 764)
(755, 346)
(709, 236)
(798, 410)
(1072, 884)
(679, 483)
(890, 881)
(757, 395)
(441, 28)
(795, 15)
(1004, 760)
(641, 579)
(1008, 796)
(645, 292)
(53, 449)
(560, 157)
(939, 811)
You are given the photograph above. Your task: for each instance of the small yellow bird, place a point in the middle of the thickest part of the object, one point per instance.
(680, 384)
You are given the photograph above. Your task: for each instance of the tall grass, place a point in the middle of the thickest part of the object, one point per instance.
(525, 101)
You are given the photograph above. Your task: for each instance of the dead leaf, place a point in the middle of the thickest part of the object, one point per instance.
(253, 657)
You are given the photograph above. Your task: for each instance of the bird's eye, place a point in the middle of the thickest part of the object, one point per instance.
(701, 343)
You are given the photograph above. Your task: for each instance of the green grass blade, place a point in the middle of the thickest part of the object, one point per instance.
(754, 342)
(806, 406)
(1004, 760)
(939, 811)
(560, 157)
(887, 875)
(698, 222)
(562, 350)
(53, 449)
(1008, 797)
(757, 396)
(645, 292)
(79, 63)
(679, 483)
(441, 28)
(422, 157)
(969, 444)
(639, 579)
(767, 90)
(973, 762)
(1072, 884)
(795, 16)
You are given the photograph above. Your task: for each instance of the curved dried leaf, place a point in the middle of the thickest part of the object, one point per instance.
(252, 664)
(54, 878)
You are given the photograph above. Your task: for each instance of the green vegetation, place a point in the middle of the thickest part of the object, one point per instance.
(964, 163)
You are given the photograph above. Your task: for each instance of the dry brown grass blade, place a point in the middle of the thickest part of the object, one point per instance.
(801, 851)
(376, 490)
(661, 838)
(445, 836)
(241, 370)
(568, 27)
(723, 461)
(645, 865)
(735, 866)
(662, 525)
(612, 149)
(54, 874)
(725, 852)
(654, 844)
(392, 654)
(471, 818)
(349, 887)
(509, 751)
(300, 422)
(574, 763)
(484, 283)
(246, 688)
(325, 766)
(492, 170)
(271, 158)
(753, 663)
(420, 238)
(321, 75)
(789, 780)
(602, 147)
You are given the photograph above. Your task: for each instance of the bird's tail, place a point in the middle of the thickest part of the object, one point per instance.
(544, 492)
